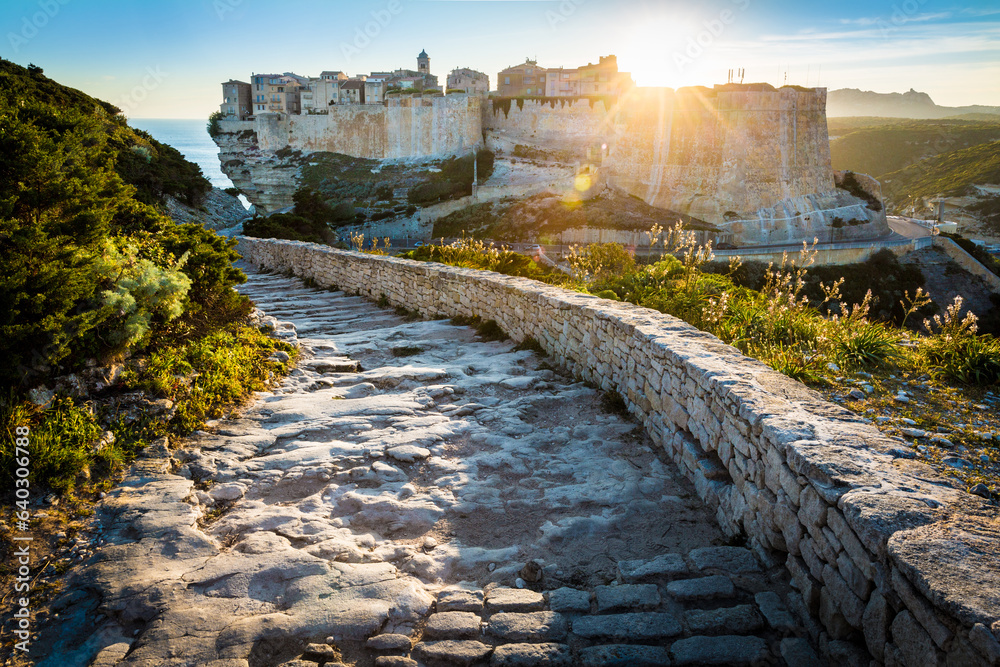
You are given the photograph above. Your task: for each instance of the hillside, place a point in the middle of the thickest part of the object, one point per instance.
(950, 173)
(911, 104)
(878, 146)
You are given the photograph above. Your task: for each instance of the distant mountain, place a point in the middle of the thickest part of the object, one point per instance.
(911, 104)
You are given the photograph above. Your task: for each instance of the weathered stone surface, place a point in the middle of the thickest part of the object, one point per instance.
(847, 654)
(875, 625)
(797, 652)
(536, 626)
(531, 655)
(778, 617)
(920, 609)
(395, 661)
(624, 654)
(460, 600)
(985, 642)
(320, 652)
(913, 641)
(569, 600)
(848, 604)
(703, 588)
(830, 615)
(739, 620)
(514, 599)
(628, 627)
(453, 625)
(451, 652)
(730, 559)
(664, 565)
(389, 642)
(635, 597)
(725, 650)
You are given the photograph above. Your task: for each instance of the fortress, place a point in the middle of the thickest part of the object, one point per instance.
(750, 159)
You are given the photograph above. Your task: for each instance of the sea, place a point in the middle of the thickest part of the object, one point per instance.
(189, 136)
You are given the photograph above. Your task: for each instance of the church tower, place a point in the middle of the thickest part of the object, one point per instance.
(424, 63)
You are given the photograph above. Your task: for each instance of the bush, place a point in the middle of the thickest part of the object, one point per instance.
(288, 226)
(213, 124)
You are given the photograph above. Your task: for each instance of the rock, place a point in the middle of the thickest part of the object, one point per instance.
(227, 492)
(741, 619)
(627, 597)
(778, 617)
(462, 653)
(531, 655)
(453, 625)
(388, 642)
(665, 565)
(624, 654)
(941, 442)
(956, 462)
(408, 453)
(537, 626)
(460, 600)
(913, 432)
(628, 627)
(395, 661)
(320, 653)
(512, 599)
(725, 650)
(702, 588)
(280, 356)
(531, 572)
(980, 490)
(520, 583)
(913, 641)
(796, 651)
(901, 398)
(856, 394)
(730, 559)
(41, 396)
(569, 600)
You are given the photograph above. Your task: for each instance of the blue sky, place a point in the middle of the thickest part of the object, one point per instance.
(167, 59)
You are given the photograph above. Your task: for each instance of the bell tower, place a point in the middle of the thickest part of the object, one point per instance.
(424, 63)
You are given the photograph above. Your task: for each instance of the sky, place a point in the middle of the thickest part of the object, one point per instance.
(167, 59)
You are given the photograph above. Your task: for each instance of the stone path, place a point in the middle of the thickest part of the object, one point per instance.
(415, 495)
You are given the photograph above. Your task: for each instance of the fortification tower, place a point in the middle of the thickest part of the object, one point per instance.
(424, 62)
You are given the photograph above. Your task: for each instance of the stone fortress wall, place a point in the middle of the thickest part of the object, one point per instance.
(411, 126)
(877, 549)
(751, 159)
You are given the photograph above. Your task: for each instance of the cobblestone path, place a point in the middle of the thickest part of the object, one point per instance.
(414, 494)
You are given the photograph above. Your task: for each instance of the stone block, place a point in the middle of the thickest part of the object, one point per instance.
(725, 650)
(664, 565)
(461, 653)
(730, 559)
(850, 605)
(536, 626)
(569, 600)
(985, 642)
(812, 509)
(920, 608)
(395, 661)
(453, 625)
(703, 588)
(388, 642)
(624, 654)
(778, 617)
(531, 655)
(630, 628)
(915, 645)
(627, 597)
(797, 652)
(830, 616)
(741, 619)
(858, 582)
(875, 625)
(460, 600)
(514, 599)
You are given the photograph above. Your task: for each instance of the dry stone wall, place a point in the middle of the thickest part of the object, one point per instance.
(878, 547)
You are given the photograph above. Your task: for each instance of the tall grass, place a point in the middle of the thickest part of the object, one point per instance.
(808, 339)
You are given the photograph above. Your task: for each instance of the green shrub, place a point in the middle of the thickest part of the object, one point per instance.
(213, 124)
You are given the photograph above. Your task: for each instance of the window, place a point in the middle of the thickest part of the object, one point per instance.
(529, 91)
(506, 80)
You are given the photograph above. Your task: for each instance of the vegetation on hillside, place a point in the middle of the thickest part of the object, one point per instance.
(888, 147)
(950, 173)
(99, 289)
